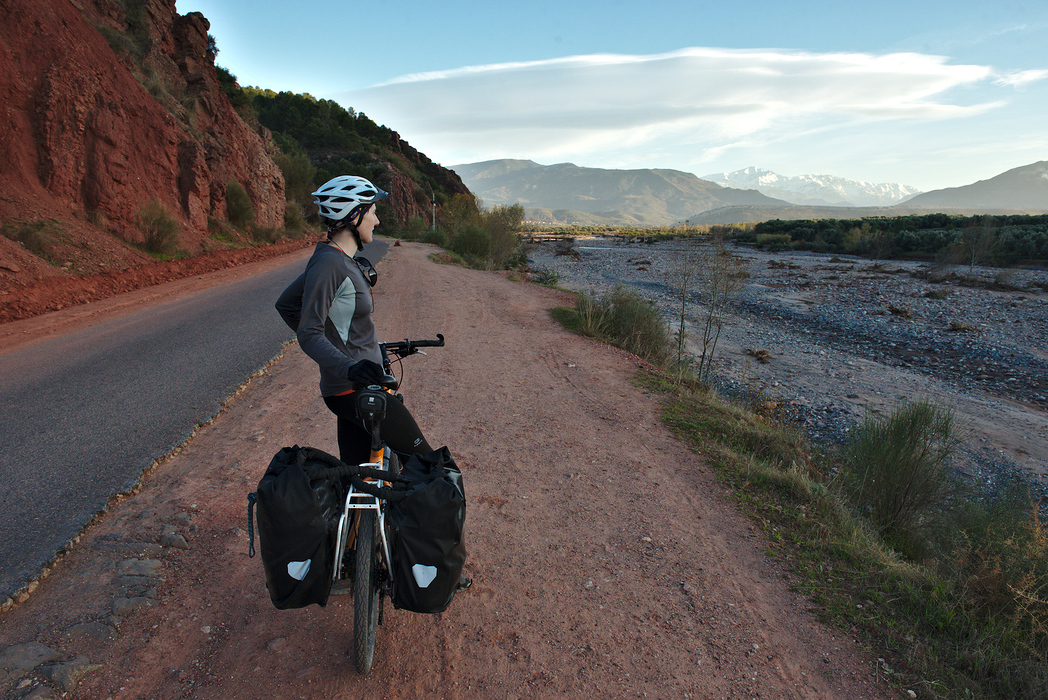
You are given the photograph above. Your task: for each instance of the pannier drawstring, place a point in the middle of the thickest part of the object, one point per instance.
(251, 498)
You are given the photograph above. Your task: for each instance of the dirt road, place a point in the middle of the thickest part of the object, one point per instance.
(605, 559)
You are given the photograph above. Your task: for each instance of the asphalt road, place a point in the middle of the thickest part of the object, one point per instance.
(84, 414)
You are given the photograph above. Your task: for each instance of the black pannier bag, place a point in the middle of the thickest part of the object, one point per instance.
(299, 501)
(426, 533)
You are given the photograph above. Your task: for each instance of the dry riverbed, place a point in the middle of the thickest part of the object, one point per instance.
(827, 338)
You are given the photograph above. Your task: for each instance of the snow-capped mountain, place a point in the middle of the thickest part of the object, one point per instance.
(822, 190)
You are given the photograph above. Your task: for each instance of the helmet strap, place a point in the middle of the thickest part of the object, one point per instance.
(354, 218)
(358, 214)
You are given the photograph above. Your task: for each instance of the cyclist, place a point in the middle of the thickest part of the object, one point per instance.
(329, 307)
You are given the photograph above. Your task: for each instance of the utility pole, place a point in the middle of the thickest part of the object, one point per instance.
(433, 207)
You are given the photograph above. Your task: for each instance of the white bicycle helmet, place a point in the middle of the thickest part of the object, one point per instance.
(341, 197)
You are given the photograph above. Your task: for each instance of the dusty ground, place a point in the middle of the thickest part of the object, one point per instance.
(606, 561)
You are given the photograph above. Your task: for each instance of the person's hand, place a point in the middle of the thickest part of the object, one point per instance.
(365, 372)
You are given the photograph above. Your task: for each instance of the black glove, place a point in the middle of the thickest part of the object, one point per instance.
(365, 372)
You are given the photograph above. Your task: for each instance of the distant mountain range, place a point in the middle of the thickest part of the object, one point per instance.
(569, 194)
(1019, 188)
(819, 190)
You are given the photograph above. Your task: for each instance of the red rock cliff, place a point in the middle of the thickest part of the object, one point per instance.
(89, 134)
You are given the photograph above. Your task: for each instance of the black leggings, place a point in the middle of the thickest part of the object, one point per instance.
(399, 429)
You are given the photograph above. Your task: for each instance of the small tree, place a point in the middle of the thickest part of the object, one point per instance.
(294, 220)
(461, 210)
(503, 223)
(978, 244)
(298, 171)
(683, 273)
(239, 209)
(720, 277)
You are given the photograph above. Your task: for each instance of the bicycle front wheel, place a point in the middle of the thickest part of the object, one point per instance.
(365, 592)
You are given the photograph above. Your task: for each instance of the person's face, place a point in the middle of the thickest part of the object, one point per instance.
(367, 225)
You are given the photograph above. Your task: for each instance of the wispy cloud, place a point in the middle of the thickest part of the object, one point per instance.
(601, 108)
(1020, 79)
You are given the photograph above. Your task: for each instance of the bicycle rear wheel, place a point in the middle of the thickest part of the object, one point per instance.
(365, 592)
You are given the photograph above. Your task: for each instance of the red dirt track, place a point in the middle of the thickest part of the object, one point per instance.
(606, 560)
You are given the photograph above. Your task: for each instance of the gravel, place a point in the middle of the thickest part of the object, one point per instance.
(845, 336)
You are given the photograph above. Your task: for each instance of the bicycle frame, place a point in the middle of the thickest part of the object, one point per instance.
(358, 500)
(373, 559)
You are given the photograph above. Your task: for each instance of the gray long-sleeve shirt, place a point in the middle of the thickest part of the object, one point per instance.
(329, 307)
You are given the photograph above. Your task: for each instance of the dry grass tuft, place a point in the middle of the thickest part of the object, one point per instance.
(762, 356)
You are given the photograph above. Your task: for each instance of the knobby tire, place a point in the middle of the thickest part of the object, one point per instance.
(365, 592)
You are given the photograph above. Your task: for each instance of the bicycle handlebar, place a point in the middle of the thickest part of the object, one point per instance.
(410, 347)
(402, 349)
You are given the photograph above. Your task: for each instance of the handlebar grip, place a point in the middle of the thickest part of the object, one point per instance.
(439, 342)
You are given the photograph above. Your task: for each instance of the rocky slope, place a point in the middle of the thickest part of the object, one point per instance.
(90, 135)
(107, 106)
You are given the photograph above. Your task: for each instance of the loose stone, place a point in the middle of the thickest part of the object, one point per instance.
(98, 631)
(139, 567)
(67, 675)
(123, 606)
(19, 659)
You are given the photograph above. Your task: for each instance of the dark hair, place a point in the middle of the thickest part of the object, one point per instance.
(336, 226)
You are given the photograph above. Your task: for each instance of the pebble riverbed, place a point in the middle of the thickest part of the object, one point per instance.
(842, 336)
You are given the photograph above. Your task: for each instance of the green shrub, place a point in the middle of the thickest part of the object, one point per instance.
(471, 242)
(896, 471)
(159, 229)
(591, 315)
(265, 234)
(999, 548)
(38, 237)
(636, 325)
(118, 41)
(549, 278)
(993, 551)
(415, 229)
(298, 173)
(294, 220)
(436, 237)
(223, 232)
(239, 209)
(238, 97)
(98, 219)
(626, 320)
(460, 211)
(774, 241)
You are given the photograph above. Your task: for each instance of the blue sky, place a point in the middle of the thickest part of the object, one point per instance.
(928, 94)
